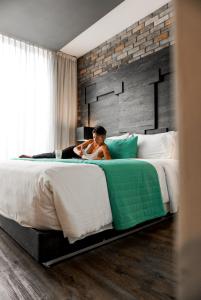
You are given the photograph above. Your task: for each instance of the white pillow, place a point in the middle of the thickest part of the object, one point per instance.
(160, 145)
(119, 137)
(175, 151)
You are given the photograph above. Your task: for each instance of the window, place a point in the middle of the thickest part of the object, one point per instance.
(26, 98)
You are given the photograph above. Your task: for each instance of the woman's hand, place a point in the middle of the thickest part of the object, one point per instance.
(79, 149)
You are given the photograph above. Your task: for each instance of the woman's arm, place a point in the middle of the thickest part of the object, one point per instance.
(106, 152)
(78, 149)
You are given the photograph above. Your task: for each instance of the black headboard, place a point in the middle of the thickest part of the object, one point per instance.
(138, 97)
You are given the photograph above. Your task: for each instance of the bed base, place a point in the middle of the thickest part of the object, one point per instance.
(49, 247)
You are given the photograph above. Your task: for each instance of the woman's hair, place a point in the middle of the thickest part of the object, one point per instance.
(99, 130)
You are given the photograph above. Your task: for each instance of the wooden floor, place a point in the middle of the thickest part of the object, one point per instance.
(141, 266)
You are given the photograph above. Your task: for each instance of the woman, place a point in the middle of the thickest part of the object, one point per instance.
(94, 148)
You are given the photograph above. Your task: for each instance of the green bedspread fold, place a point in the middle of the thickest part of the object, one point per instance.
(133, 187)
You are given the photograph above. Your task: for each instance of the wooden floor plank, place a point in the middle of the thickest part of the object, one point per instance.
(138, 267)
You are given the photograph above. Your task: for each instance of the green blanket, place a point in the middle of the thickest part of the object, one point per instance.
(133, 187)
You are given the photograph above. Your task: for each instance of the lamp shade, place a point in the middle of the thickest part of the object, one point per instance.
(84, 133)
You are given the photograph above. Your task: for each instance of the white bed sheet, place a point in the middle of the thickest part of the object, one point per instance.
(52, 195)
(171, 172)
(68, 197)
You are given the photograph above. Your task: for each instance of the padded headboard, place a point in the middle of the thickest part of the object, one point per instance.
(137, 97)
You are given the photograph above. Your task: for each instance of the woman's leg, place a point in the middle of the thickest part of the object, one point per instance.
(66, 153)
(69, 153)
(45, 155)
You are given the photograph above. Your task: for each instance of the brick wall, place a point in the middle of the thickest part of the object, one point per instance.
(150, 34)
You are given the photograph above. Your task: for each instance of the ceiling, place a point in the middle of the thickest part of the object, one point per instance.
(121, 17)
(51, 23)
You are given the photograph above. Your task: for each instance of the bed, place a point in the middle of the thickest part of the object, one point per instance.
(43, 209)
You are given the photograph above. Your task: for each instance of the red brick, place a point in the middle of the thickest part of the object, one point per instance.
(119, 48)
(169, 22)
(161, 37)
(98, 72)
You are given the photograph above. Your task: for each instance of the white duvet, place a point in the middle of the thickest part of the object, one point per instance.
(68, 197)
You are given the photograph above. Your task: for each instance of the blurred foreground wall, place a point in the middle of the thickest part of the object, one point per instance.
(188, 41)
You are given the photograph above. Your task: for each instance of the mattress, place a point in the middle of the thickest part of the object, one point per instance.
(68, 197)
(170, 169)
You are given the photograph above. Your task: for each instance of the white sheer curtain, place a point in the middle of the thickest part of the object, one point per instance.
(27, 98)
(66, 101)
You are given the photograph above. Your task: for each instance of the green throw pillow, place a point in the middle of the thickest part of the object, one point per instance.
(122, 148)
